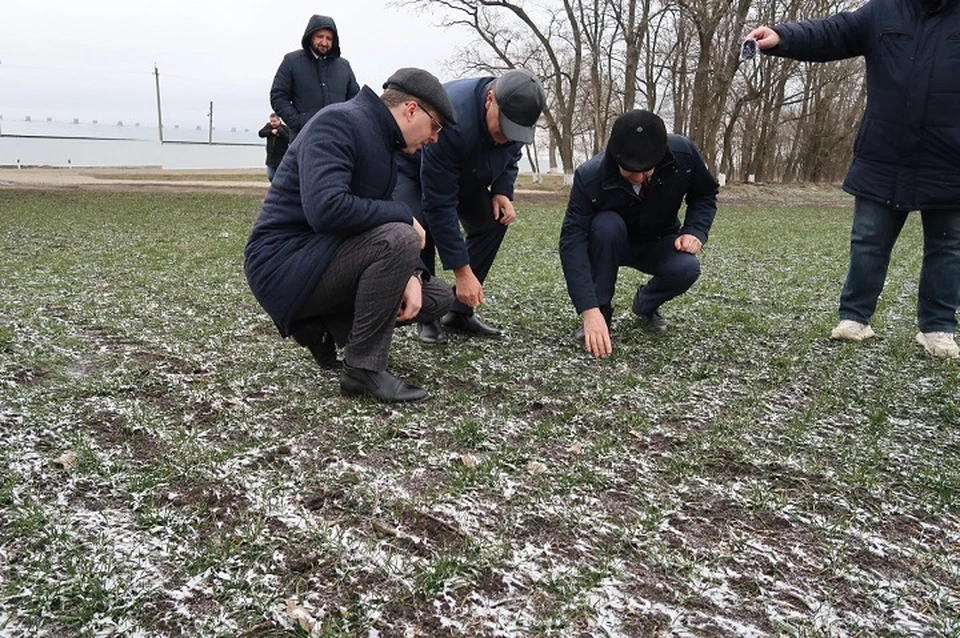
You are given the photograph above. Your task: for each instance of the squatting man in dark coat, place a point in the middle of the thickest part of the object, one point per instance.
(623, 211)
(313, 76)
(467, 179)
(907, 153)
(332, 258)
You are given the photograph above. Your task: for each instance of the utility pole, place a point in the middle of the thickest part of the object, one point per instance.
(156, 73)
(210, 139)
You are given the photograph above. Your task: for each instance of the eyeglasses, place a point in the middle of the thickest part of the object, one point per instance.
(434, 124)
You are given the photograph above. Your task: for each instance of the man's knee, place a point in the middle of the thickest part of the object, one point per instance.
(401, 238)
(684, 268)
(607, 227)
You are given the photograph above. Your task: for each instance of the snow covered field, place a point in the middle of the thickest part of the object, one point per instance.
(170, 467)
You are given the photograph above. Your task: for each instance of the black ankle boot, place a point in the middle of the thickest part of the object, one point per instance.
(382, 386)
(321, 345)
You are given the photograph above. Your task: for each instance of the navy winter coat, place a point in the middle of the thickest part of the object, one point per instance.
(598, 186)
(305, 83)
(907, 152)
(463, 163)
(336, 181)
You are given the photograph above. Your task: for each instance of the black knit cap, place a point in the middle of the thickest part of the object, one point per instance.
(425, 87)
(638, 141)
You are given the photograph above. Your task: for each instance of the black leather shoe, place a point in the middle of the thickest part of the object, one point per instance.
(322, 346)
(469, 324)
(653, 322)
(432, 333)
(650, 322)
(382, 386)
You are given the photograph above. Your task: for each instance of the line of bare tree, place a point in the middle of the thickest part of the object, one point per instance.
(777, 119)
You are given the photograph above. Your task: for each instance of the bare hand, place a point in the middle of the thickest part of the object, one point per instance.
(421, 233)
(468, 288)
(766, 37)
(688, 244)
(596, 334)
(503, 210)
(274, 131)
(411, 302)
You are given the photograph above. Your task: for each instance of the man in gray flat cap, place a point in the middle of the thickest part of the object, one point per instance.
(467, 180)
(332, 258)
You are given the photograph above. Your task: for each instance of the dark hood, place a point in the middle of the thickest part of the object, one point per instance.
(321, 22)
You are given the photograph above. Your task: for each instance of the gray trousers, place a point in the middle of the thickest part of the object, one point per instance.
(359, 295)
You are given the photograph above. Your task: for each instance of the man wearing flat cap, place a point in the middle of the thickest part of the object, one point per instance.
(332, 258)
(624, 211)
(467, 180)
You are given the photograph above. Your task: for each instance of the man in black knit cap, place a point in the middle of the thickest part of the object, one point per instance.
(624, 211)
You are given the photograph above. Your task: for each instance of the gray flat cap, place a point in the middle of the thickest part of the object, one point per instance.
(423, 86)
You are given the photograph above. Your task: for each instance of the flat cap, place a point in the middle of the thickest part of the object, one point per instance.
(425, 87)
(638, 141)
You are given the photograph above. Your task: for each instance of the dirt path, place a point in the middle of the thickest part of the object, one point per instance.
(133, 179)
(253, 181)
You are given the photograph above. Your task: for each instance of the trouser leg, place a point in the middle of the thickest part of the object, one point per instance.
(874, 232)
(408, 191)
(674, 272)
(607, 246)
(939, 292)
(359, 294)
(437, 298)
(484, 235)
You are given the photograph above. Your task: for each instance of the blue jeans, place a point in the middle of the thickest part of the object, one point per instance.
(875, 230)
(673, 271)
(271, 171)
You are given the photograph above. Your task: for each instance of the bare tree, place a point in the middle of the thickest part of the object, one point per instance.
(774, 118)
(547, 40)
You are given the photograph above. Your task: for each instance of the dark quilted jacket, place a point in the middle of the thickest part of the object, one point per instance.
(304, 83)
(907, 152)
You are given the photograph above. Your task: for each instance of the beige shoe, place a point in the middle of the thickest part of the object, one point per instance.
(939, 344)
(852, 331)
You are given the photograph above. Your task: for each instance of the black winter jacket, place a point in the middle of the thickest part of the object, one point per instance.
(276, 144)
(598, 186)
(462, 163)
(336, 181)
(907, 151)
(305, 83)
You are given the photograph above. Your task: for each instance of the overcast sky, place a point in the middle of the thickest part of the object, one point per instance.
(93, 59)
